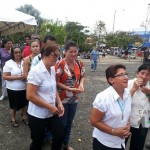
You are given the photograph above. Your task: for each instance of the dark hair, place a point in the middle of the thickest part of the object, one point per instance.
(47, 49)
(145, 66)
(39, 41)
(4, 42)
(12, 52)
(112, 70)
(69, 44)
(49, 37)
(28, 36)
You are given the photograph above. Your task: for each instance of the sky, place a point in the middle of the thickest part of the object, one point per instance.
(129, 16)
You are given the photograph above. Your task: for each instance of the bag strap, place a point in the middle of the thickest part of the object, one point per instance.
(79, 68)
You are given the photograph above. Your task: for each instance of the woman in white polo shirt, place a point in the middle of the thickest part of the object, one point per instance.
(42, 96)
(111, 111)
(16, 85)
(140, 92)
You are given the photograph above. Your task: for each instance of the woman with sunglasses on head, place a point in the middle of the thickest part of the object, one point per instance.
(16, 85)
(140, 92)
(70, 75)
(111, 111)
(42, 95)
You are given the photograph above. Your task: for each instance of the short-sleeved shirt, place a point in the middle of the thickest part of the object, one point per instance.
(95, 55)
(140, 112)
(107, 102)
(36, 60)
(26, 51)
(46, 82)
(69, 77)
(15, 70)
(4, 56)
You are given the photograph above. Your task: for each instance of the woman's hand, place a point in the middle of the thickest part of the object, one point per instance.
(54, 110)
(123, 132)
(61, 109)
(145, 90)
(21, 77)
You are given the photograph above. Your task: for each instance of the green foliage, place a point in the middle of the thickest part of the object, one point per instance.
(121, 39)
(55, 28)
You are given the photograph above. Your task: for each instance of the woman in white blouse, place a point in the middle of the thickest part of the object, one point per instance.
(16, 85)
(42, 95)
(140, 92)
(111, 111)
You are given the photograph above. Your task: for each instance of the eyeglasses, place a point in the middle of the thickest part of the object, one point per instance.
(54, 55)
(17, 52)
(121, 75)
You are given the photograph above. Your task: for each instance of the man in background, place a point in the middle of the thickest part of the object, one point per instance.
(94, 57)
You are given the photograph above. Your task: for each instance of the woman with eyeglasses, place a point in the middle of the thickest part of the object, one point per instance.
(16, 86)
(111, 111)
(140, 111)
(42, 95)
(70, 75)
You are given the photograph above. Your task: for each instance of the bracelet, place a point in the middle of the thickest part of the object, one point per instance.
(113, 130)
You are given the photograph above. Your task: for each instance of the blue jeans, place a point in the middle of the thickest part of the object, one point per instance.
(67, 119)
(94, 64)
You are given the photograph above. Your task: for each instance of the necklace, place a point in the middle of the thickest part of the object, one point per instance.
(122, 108)
(19, 66)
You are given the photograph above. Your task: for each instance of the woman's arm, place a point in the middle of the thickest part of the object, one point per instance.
(63, 86)
(96, 121)
(59, 103)
(26, 67)
(32, 96)
(8, 76)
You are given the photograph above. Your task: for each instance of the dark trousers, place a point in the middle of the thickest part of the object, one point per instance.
(67, 119)
(38, 126)
(99, 146)
(138, 137)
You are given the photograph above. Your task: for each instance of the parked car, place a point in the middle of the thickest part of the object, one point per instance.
(132, 56)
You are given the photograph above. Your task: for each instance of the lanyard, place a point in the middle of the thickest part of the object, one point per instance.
(122, 107)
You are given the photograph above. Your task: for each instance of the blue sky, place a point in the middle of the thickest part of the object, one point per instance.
(129, 13)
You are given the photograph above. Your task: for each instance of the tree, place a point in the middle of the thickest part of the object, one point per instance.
(77, 32)
(99, 31)
(29, 9)
(55, 28)
(121, 39)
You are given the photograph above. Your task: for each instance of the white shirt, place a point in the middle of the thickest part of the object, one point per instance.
(46, 83)
(140, 111)
(107, 102)
(15, 70)
(36, 60)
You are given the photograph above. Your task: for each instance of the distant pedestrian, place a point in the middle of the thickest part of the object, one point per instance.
(146, 56)
(94, 59)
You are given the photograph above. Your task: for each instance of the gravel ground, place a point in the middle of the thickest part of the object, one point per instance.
(81, 137)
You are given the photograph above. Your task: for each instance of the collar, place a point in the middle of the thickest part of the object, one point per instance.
(116, 96)
(42, 66)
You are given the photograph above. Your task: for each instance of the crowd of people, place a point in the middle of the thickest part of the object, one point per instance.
(46, 91)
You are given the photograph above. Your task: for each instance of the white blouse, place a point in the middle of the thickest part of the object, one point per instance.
(15, 70)
(109, 102)
(46, 83)
(140, 108)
